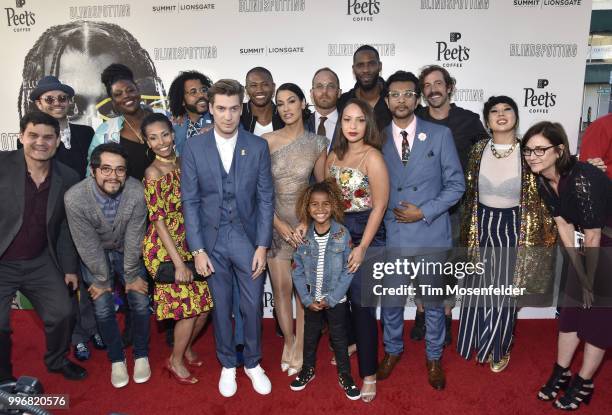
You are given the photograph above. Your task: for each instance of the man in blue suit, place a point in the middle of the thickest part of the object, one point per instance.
(228, 204)
(426, 179)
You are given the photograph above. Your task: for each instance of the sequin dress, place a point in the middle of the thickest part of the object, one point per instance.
(292, 166)
(172, 301)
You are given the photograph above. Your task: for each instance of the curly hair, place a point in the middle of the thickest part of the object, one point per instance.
(176, 93)
(329, 187)
(91, 39)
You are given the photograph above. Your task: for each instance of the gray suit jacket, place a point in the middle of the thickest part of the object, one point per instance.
(12, 189)
(93, 234)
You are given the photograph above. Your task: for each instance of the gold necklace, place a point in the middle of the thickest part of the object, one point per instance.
(171, 159)
(505, 153)
(138, 135)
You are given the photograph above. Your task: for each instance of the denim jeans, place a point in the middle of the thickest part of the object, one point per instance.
(104, 309)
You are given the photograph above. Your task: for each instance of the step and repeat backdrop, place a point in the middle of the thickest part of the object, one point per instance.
(531, 50)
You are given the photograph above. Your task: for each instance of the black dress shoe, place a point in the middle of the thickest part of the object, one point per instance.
(71, 371)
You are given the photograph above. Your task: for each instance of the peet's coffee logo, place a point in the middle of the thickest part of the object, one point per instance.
(363, 11)
(539, 100)
(451, 53)
(19, 20)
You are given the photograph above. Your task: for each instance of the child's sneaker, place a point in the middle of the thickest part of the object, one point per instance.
(306, 375)
(350, 389)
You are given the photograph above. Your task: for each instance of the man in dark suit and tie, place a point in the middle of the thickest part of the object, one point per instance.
(228, 202)
(37, 256)
(425, 181)
(325, 93)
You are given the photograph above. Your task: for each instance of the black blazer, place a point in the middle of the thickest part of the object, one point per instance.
(76, 157)
(12, 189)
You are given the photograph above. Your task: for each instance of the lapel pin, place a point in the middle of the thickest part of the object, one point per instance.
(422, 136)
(243, 152)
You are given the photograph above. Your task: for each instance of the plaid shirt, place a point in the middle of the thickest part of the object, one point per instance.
(108, 205)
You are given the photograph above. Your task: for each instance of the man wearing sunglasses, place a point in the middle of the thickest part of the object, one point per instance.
(55, 98)
(106, 214)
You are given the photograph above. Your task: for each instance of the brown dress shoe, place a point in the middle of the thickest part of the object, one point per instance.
(386, 366)
(435, 374)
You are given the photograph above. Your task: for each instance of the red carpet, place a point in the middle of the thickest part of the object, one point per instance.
(471, 389)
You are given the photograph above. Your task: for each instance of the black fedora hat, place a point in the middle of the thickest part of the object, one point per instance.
(50, 83)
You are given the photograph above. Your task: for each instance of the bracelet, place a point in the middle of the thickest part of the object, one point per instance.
(198, 251)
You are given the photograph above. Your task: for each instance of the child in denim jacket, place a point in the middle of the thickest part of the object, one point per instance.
(322, 279)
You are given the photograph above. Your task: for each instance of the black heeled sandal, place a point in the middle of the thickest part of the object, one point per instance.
(558, 380)
(580, 391)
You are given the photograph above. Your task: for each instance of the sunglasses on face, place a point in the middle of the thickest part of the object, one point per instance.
(50, 100)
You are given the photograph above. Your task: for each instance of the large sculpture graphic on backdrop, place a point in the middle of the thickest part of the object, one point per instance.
(76, 53)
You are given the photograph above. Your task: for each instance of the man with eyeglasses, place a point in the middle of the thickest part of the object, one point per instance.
(370, 87)
(425, 181)
(37, 256)
(325, 93)
(188, 99)
(437, 87)
(106, 213)
(55, 98)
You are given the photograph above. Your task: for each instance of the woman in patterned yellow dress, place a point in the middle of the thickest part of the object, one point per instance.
(186, 301)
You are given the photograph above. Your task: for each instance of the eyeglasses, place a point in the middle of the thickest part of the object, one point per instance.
(50, 100)
(195, 91)
(539, 151)
(407, 94)
(321, 87)
(120, 171)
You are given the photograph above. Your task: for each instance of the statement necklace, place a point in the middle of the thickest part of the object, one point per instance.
(505, 153)
(171, 159)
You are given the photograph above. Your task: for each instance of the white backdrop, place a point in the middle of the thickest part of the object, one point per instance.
(531, 50)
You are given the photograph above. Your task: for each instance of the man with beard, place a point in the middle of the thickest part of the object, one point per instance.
(437, 86)
(425, 181)
(369, 87)
(37, 256)
(259, 115)
(324, 94)
(106, 213)
(55, 98)
(188, 99)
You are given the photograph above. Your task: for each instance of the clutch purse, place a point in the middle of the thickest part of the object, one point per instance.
(166, 270)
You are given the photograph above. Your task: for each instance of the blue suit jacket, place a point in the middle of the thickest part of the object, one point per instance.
(201, 189)
(432, 180)
(180, 131)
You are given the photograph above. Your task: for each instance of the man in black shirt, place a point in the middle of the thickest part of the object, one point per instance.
(259, 115)
(437, 86)
(369, 87)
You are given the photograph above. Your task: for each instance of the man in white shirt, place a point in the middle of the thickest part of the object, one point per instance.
(325, 93)
(228, 204)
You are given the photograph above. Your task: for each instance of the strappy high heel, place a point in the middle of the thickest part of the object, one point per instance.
(580, 391)
(189, 380)
(365, 396)
(558, 380)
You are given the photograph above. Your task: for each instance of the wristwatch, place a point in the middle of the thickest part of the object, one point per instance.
(198, 251)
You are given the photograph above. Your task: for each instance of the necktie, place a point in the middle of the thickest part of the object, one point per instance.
(405, 147)
(321, 128)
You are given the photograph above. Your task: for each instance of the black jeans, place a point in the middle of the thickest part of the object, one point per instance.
(313, 323)
(43, 284)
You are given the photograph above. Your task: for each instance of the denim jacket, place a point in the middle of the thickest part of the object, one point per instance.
(336, 278)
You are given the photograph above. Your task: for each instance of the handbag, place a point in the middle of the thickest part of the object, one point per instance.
(166, 270)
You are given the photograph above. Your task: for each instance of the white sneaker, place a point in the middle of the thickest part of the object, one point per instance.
(119, 374)
(227, 382)
(260, 381)
(142, 370)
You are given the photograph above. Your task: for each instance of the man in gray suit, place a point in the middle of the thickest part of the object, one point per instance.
(37, 256)
(426, 179)
(228, 204)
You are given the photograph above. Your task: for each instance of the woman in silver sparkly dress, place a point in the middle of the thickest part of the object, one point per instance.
(296, 155)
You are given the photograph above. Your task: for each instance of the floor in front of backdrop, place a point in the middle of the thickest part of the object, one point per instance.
(471, 388)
